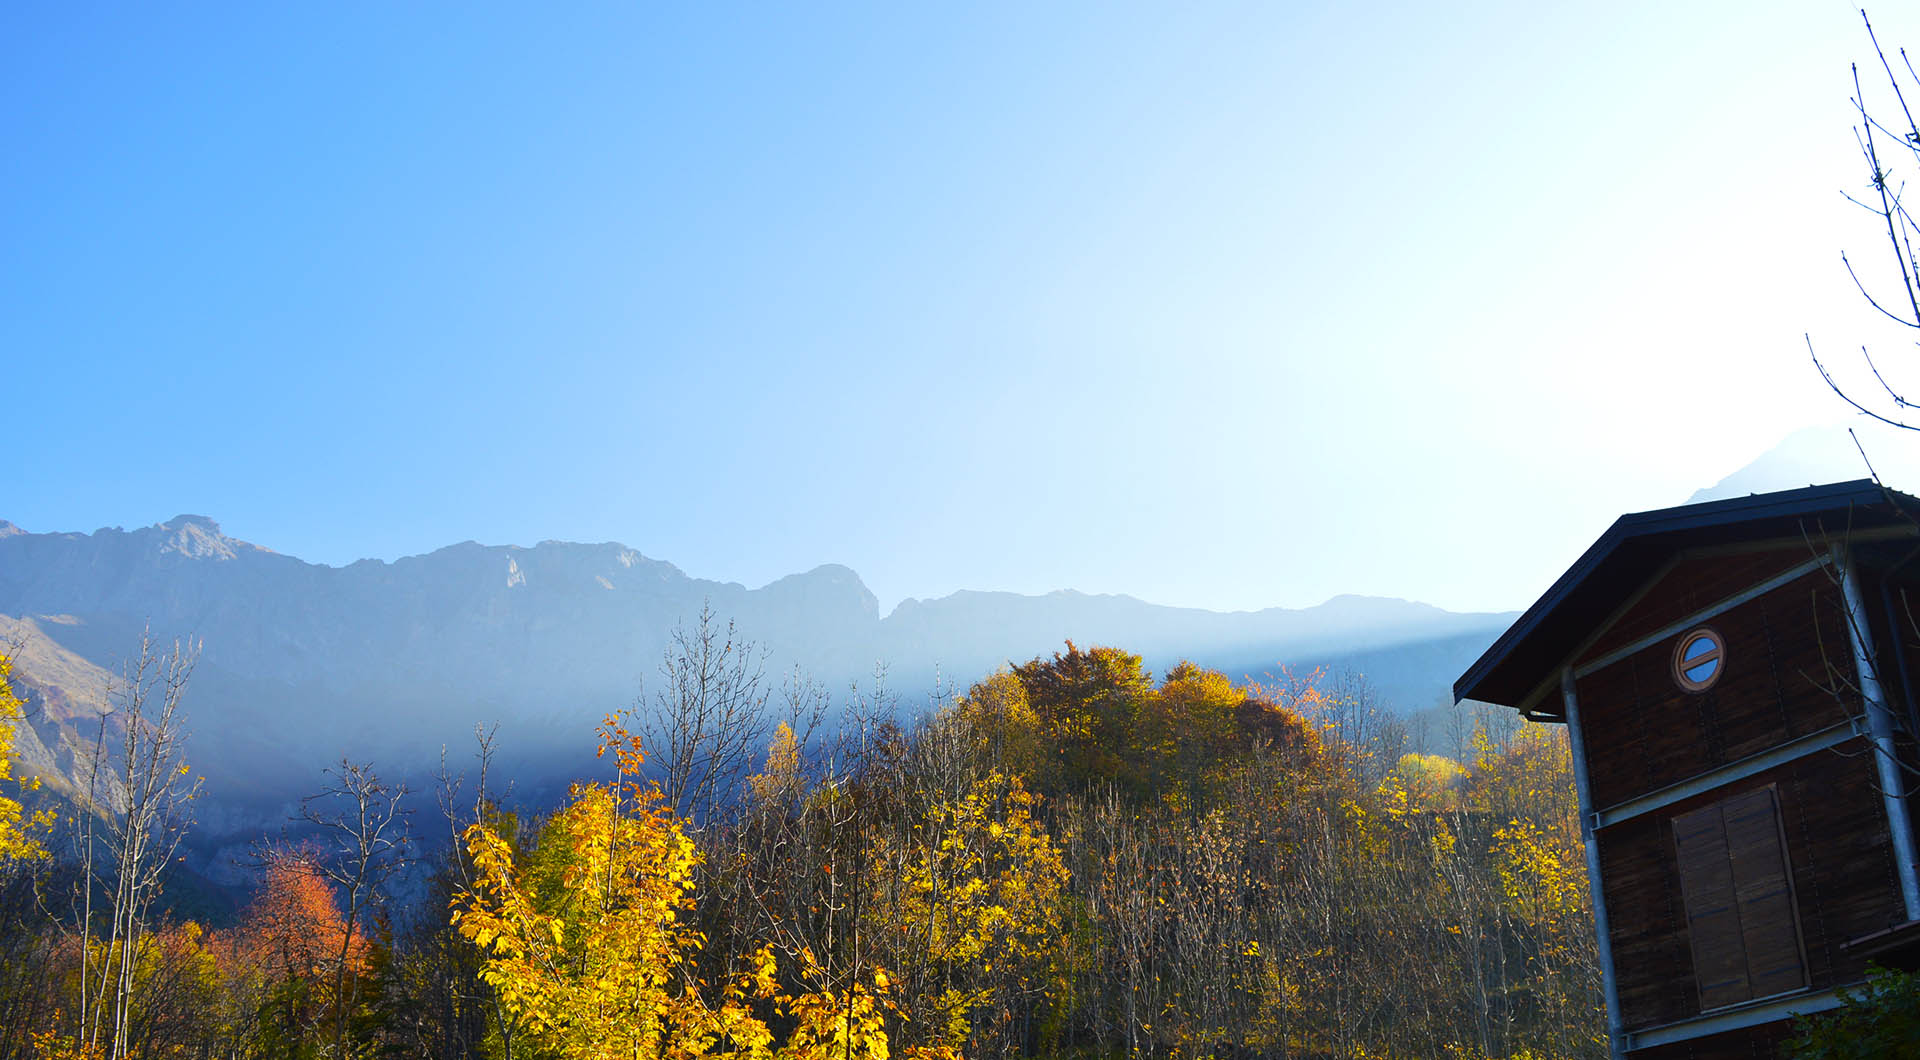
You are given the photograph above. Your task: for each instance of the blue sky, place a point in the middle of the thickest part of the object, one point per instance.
(1220, 305)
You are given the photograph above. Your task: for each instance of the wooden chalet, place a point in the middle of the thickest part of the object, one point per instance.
(1737, 679)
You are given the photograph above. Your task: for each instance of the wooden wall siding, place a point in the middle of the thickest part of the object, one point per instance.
(1644, 733)
(1838, 853)
(1691, 585)
(1653, 966)
(1752, 1043)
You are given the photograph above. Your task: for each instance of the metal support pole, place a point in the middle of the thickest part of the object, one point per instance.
(1616, 1036)
(1893, 786)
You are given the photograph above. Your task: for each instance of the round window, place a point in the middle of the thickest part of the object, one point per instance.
(1698, 658)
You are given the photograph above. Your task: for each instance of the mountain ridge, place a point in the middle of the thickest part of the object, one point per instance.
(394, 660)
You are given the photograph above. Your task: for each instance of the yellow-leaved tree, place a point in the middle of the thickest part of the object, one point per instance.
(1002, 724)
(974, 905)
(1187, 730)
(17, 840)
(1526, 790)
(585, 943)
(779, 783)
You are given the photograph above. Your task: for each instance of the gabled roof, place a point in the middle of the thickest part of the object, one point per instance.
(1635, 548)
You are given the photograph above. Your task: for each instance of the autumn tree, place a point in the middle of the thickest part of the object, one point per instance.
(133, 816)
(1088, 717)
(1086, 703)
(18, 839)
(290, 954)
(362, 841)
(967, 904)
(1523, 791)
(1188, 728)
(25, 951)
(584, 941)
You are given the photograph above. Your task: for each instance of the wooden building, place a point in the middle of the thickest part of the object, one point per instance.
(1737, 680)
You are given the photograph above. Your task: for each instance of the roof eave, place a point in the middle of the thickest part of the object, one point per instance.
(1489, 679)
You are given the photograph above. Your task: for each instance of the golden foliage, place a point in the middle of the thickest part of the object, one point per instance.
(779, 781)
(589, 958)
(177, 984)
(1002, 722)
(17, 835)
(1422, 783)
(586, 944)
(1538, 877)
(982, 895)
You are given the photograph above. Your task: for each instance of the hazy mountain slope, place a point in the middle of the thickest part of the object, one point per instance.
(1816, 455)
(62, 694)
(303, 663)
(970, 633)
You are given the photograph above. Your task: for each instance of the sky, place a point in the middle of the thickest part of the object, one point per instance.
(1218, 305)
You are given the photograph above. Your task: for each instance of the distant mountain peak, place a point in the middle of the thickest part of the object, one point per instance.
(1813, 456)
(7, 529)
(1361, 601)
(829, 581)
(198, 537)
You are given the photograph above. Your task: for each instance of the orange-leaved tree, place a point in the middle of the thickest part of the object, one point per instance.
(288, 954)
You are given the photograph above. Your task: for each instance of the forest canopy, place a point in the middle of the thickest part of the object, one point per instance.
(1072, 858)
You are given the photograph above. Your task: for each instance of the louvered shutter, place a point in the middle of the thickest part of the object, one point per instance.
(1764, 894)
(1713, 921)
(1741, 921)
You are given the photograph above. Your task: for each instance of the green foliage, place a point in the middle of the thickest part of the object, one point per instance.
(1881, 1019)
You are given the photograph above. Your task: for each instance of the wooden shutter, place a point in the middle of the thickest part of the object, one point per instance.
(1741, 920)
(1713, 922)
(1763, 890)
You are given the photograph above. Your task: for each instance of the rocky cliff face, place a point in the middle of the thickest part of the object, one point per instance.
(303, 663)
